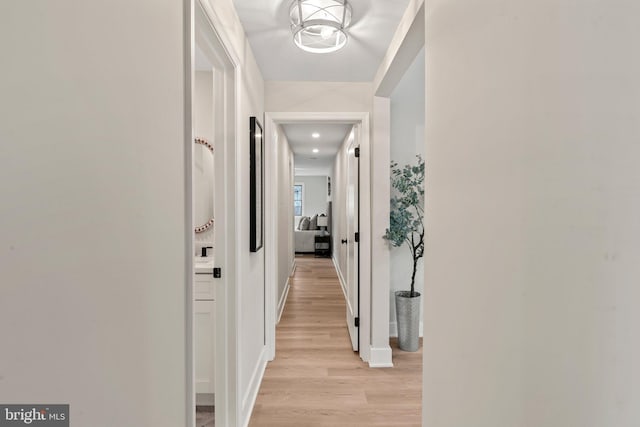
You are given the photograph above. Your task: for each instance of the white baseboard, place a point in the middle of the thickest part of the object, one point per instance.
(249, 399)
(283, 300)
(293, 267)
(380, 357)
(343, 284)
(393, 329)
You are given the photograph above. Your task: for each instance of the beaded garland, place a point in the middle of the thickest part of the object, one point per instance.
(209, 223)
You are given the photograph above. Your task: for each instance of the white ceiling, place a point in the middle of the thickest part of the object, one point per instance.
(266, 23)
(302, 144)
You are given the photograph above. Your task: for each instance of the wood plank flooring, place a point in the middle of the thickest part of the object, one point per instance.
(205, 416)
(316, 378)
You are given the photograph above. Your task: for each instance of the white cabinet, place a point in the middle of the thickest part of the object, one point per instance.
(205, 339)
(203, 287)
(204, 333)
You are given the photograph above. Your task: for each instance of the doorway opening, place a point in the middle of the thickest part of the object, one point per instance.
(212, 77)
(344, 241)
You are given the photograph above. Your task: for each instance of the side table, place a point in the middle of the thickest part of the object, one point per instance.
(322, 246)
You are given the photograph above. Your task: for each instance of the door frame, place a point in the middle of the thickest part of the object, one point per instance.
(226, 160)
(272, 120)
(353, 265)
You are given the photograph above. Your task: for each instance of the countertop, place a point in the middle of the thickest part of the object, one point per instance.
(203, 265)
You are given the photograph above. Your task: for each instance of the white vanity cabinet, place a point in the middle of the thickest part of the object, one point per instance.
(203, 285)
(204, 334)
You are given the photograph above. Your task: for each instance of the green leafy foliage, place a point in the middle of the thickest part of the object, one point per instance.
(407, 211)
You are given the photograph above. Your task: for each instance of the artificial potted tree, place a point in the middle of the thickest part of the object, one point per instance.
(406, 227)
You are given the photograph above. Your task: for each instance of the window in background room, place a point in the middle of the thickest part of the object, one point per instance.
(297, 200)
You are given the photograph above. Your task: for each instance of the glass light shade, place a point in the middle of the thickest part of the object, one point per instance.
(319, 25)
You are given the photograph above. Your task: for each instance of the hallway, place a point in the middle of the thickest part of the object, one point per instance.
(316, 379)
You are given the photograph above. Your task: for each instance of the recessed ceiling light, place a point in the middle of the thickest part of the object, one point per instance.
(315, 150)
(315, 135)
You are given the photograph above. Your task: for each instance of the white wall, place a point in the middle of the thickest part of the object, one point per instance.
(531, 308)
(407, 41)
(314, 198)
(407, 140)
(99, 198)
(287, 96)
(407, 114)
(381, 354)
(203, 175)
(286, 254)
(93, 220)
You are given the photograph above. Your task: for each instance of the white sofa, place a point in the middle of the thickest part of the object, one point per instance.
(303, 240)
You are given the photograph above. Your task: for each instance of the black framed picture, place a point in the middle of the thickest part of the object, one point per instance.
(256, 185)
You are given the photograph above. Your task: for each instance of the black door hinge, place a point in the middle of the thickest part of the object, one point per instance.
(357, 151)
(357, 238)
(357, 322)
(217, 272)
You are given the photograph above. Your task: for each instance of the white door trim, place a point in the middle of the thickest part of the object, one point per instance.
(271, 235)
(272, 120)
(352, 222)
(189, 77)
(226, 354)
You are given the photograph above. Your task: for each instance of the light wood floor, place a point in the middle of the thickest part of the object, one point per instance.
(316, 378)
(205, 416)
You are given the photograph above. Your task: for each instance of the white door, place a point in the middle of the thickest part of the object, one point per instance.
(353, 285)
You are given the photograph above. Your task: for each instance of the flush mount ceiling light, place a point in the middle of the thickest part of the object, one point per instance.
(319, 25)
(315, 135)
(315, 150)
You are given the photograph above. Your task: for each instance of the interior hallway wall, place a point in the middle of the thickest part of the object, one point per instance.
(93, 225)
(203, 173)
(287, 96)
(533, 205)
(286, 255)
(315, 194)
(407, 141)
(251, 266)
